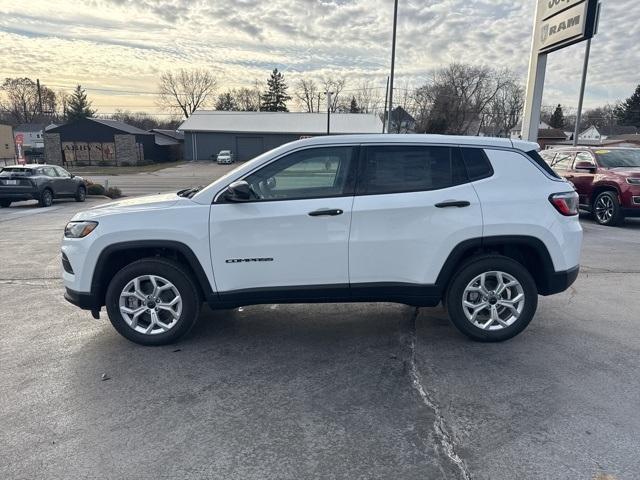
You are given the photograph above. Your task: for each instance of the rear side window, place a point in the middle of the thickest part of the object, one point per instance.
(7, 172)
(476, 163)
(535, 156)
(397, 169)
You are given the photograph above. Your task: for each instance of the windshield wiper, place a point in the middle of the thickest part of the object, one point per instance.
(190, 192)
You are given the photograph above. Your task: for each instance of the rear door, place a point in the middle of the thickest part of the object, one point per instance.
(293, 235)
(413, 205)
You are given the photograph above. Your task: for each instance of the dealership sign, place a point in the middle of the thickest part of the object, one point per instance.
(564, 22)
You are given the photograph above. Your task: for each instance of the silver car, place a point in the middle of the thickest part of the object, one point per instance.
(225, 157)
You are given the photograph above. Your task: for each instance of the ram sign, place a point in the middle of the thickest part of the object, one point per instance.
(565, 22)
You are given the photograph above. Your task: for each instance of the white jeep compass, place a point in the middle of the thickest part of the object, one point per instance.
(482, 225)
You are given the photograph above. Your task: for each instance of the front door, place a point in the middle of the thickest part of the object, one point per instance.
(413, 205)
(66, 185)
(293, 234)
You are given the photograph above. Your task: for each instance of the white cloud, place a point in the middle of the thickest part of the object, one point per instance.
(125, 44)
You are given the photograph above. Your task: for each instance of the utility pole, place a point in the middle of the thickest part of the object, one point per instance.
(328, 94)
(393, 63)
(39, 96)
(386, 100)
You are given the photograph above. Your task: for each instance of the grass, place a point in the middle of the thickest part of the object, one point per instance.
(97, 170)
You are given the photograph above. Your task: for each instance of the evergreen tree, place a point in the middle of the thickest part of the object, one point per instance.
(628, 112)
(275, 98)
(226, 102)
(353, 107)
(557, 119)
(79, 106)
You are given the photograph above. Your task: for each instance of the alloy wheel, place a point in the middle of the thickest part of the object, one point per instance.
(150, 304)
(493, 300)
(604, 208)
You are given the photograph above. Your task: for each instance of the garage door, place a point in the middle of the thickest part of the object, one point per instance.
(249, 147)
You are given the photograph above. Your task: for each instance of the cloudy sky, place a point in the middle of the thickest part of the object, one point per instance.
(118, 48)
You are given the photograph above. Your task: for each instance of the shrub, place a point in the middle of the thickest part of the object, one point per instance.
(113, 192)
(95, 189)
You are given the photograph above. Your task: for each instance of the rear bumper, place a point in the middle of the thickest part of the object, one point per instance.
(86, 301)
(560, 281)
(17, 196)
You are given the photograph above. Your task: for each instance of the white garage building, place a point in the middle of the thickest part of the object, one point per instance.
(248, 134)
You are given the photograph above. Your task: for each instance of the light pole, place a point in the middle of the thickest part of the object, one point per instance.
(328, 94)
(393, 63)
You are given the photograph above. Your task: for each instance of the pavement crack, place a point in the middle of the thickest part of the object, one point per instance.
(447, 442)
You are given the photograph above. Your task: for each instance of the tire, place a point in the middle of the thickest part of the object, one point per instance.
(179, 321)
(606, 209)
(484, 329)
(46, 198)
(81, 194)
(5, 203)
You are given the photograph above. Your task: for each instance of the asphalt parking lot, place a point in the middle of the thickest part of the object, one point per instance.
(323, 391)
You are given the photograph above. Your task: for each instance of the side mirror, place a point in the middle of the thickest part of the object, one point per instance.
(586, 167)
(239, 191)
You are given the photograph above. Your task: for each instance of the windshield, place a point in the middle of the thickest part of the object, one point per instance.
(619, 158)
(224, 152)
(6, 172)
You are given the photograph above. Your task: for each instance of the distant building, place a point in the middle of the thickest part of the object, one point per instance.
(32, 134)
(98, 141)
(550, 136)
(516, 132)
(248, 134)
(172, 141)
(599, 134)
(402, 121)
(7, 145)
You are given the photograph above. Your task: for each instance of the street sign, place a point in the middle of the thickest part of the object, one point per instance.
(19, 140)
(558, 24)
(568, 22)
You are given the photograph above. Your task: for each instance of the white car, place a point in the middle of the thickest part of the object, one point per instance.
(482, 225)
(225, 157)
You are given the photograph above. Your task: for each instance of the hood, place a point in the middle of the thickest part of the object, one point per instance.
(626, 171)
(150, 202)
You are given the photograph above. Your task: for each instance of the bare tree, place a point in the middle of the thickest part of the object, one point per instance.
(505, 110)
(186, 90)
(247, 99)
(368, 97)
(306, 92)
(334, 85)
(20, 99)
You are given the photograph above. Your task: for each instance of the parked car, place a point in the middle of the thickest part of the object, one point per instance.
(225, 157)
(483, 225)
(607, 179)
(39, 182)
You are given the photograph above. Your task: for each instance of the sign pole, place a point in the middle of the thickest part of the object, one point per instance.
(393, 63)
(535, 85)
(587, 52)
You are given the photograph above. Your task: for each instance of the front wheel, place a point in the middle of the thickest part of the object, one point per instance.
(606, 209)
(492, 298)
(153, 301)
(81, 194)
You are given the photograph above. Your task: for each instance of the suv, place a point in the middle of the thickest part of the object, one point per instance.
(225, 157)
(607, 179)
(39, 182)
(483, 225)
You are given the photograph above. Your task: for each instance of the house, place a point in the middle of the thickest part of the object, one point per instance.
(248, 134)
(32, 134)
(7, 145)
(550, 136)
(402, 121)
(516, 132)
(99, 141)
(172, 141)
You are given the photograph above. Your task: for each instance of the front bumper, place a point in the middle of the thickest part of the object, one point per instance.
(85, 301)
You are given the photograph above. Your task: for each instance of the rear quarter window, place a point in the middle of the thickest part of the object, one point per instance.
(477, 164)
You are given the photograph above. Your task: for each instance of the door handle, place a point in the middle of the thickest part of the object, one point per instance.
(453, 203)
(326, 212)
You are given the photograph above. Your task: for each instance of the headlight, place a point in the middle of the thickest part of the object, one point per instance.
(633, 180)
(79, 229)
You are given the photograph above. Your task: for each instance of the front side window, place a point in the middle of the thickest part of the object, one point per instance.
(62, 172)
(584, 157)
(312, 173)
(50, 171)
(396, 169)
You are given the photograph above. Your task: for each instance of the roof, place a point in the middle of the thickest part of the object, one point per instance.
(169, 133)
(610, 130)
(401, 115)
(551, 133)
(634, 137)
(164, 140)
(123, 127)
(280, 122)
(30, 127)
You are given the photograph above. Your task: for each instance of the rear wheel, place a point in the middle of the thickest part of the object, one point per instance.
(606, 209)
(492, 298)
(81, 194)
(5, 203)
(153, 301)
(46, 198)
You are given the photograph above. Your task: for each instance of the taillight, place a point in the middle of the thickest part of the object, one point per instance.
(566, 203)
